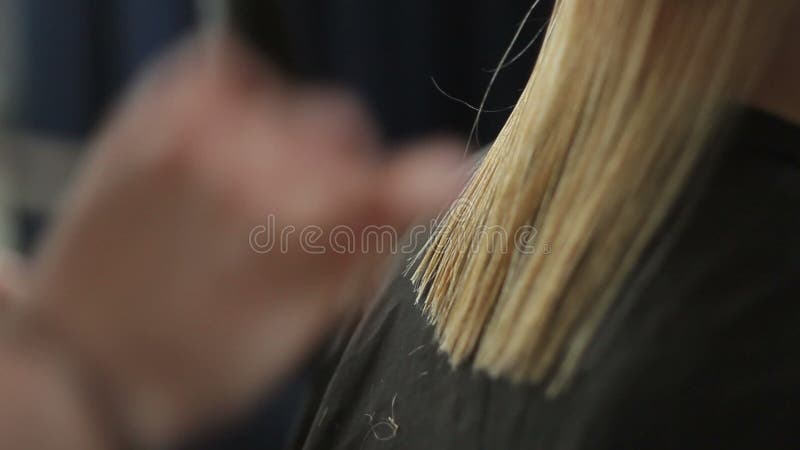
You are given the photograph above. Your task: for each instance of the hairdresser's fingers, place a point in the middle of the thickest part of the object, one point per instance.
(408, 189)
(189, 94)
(218, 59)
(424, 180)
(332, 125)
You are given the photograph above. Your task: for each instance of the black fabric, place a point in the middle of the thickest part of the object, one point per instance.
(700, 352)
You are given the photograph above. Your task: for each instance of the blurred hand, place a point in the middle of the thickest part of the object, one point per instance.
(149, 279)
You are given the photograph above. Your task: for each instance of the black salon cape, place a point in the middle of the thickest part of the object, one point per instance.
(701, 351)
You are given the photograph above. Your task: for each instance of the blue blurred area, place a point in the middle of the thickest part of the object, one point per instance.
(77, 55)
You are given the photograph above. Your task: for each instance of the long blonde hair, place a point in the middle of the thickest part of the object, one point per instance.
(618, 111)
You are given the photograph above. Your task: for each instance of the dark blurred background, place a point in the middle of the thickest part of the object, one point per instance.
(63, 63)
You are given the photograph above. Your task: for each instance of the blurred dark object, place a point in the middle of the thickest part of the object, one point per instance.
(262, 24)
(388, 52)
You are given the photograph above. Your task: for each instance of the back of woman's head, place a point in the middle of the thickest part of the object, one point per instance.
(615, 117)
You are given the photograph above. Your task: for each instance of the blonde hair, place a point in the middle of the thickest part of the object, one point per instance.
(618, 111)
